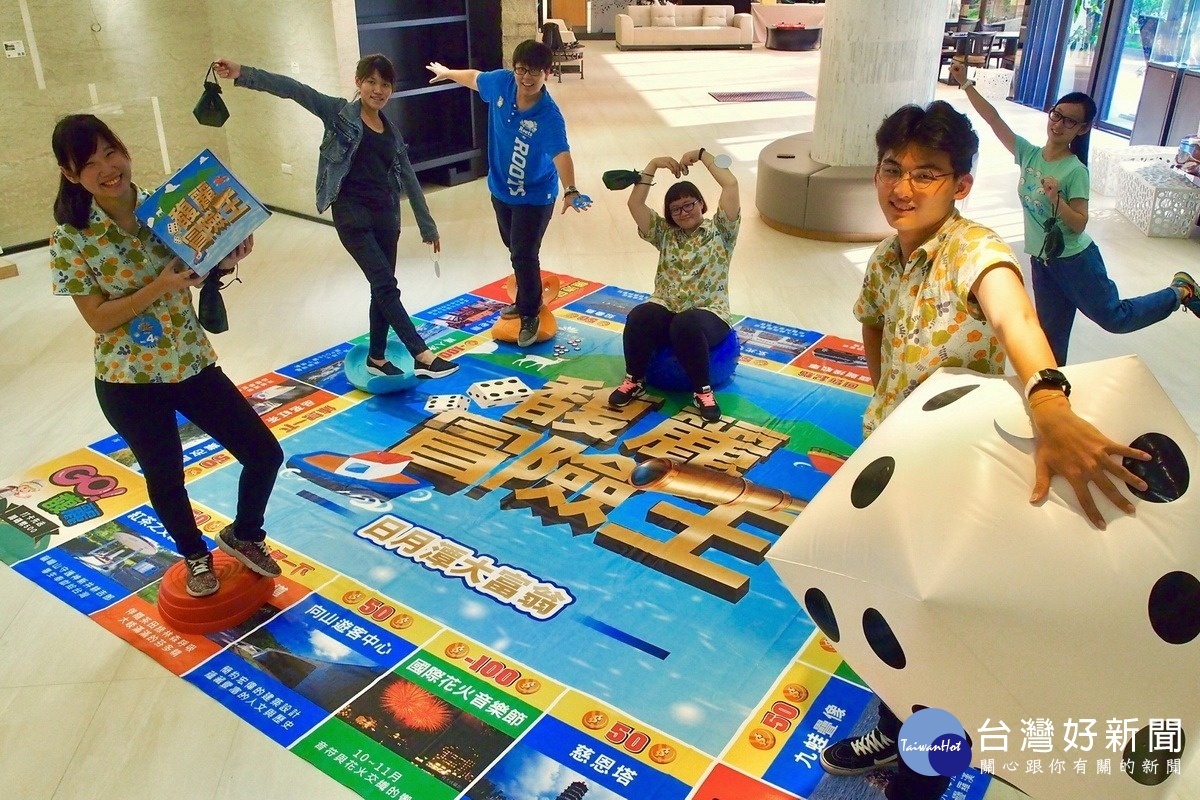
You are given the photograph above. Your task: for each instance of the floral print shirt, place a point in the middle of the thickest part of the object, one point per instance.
(693, 268)
(929, 317)
(164, 343)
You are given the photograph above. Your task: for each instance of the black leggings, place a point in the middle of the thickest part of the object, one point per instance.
(370, 236)
(690, 333)
(521, 229)
(144, 415)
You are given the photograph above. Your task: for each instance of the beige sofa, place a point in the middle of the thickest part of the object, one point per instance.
(671, 27)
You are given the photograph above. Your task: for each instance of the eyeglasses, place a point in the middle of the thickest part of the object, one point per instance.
(523, 71)
(890, 175)
(1067, 122)
(684, 208)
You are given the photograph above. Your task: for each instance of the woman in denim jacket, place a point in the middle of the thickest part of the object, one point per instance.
(362, 172)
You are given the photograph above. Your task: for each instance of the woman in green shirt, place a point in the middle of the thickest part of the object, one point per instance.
(1054, 189)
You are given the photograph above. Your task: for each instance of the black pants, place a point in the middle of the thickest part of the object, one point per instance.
(521, 229)
(690, 333)
(144, 415)
(909, 784)
(370, 236)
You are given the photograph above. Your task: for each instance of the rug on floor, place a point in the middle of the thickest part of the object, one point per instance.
(476, 589)
(758, 97)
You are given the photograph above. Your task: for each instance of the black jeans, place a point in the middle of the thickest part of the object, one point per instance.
(370, 236)
(144, 415)
(909, 784)
(690, 333)
(521, 229)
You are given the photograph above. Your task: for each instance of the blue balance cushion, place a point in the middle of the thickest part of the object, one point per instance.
(355, 366)
(665, 371)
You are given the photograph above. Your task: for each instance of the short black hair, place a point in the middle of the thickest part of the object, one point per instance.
(678, 191)
(376, 63)
(533, 55)
(937, 126)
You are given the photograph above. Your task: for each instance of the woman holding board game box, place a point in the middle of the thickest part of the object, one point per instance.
(153, 359)
(362, 173)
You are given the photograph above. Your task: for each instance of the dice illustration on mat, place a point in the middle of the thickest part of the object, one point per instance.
(447, 402)
(499, 392)
(942, 586)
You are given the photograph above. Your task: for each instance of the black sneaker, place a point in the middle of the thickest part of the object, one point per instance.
(253, 555)
(707, 403)
(861, 754)
(529, 331)
(509, 312)
(626, 393)
(438, 368)
(386, 368)
(201, 580)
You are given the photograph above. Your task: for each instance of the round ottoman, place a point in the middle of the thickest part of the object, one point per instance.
(355, 367)
(506, 330)
(665, 371)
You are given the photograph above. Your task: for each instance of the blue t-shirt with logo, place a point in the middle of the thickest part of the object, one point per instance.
(521, 144)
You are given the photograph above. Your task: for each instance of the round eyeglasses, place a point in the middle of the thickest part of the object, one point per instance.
(1067, 122)
(890, 175)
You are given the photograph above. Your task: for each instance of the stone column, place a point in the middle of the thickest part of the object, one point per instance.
(875, 57)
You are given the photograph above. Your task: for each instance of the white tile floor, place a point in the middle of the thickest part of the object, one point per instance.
(83, 715)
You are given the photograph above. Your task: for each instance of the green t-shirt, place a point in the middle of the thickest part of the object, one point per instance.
(1073, 182)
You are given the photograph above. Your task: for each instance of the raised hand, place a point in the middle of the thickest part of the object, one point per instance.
(227, 69)
(439, 71)
(958, 72)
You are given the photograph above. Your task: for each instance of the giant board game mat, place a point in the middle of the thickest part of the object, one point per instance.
(496, 586)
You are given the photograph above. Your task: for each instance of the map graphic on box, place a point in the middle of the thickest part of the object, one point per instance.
(202, 212)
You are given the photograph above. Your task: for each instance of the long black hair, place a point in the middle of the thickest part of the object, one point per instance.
(1079, 145)
(75, 139)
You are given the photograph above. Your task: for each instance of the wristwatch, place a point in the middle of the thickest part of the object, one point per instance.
(1048, 378)
(966, 84)
(570, 190)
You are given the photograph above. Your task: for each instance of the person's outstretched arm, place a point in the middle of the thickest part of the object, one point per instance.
(1067, 445)
(565, 166)
(638, 209)
(416, 199)
(730, 200)
(958, 72)
(463, 77)
(322, 105)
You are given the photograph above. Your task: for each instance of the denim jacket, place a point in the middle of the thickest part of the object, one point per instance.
(343, 133)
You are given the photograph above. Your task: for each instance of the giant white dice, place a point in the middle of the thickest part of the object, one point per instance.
(943, 587)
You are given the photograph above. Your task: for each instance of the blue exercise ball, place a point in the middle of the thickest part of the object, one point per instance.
(355, 367)
(665, 371)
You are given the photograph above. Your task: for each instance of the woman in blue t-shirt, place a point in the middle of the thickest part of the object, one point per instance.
(527, 156)
(1054, 189)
